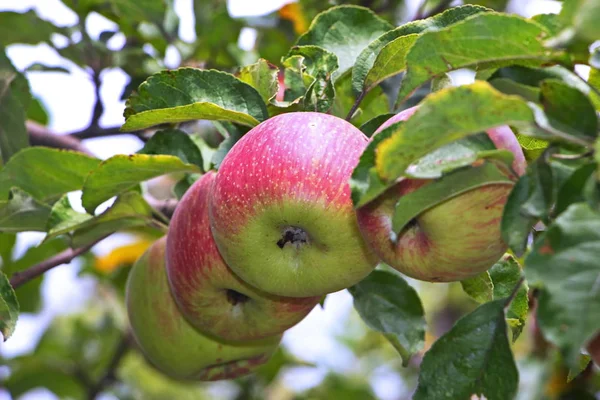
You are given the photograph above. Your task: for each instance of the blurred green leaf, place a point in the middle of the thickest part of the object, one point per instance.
(564, 264)
(483, 40)
(344, 31)
(480, 287)
(386, 56)
(37, 112)
(583, 17)
(7, 243)
(9, 307)
(472, 359)
(31, 371)
(583, 362)
(46, 173)
(176, 143)
(388, 304)
(23, 213)
(573, 189)
(262, 76)
(18, 28)
(14, 101)
(121, 173)
(568, 109)
(188, 94)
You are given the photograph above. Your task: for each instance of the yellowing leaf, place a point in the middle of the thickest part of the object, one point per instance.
(123, 255)
(293, 12)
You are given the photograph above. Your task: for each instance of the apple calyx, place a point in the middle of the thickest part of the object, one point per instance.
(294, 236)
(234, 297)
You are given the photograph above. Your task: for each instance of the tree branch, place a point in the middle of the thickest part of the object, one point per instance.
(165, 207)
(39, 135)
(64, 257)
(96, 132)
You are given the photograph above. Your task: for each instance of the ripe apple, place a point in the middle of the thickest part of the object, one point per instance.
(169, 342)
(212, 298)
(281, 212)
(451, 241)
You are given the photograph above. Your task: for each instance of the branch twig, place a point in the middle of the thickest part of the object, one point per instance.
(39, 135)
(109, 376)
(64, 257)
(360, 98)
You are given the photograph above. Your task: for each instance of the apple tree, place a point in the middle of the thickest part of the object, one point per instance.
(441, 169)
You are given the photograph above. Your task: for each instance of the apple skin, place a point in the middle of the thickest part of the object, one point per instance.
(212, 298)
(452, 241)
(281, 212)
(169, 342)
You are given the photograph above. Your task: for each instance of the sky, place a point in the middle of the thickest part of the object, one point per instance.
(69, 99)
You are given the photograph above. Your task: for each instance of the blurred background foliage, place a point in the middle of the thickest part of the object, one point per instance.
(89, 352)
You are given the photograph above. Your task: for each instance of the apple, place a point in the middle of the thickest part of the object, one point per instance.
(212, 298)
(281, 212)
(169, 342)
(454, 240)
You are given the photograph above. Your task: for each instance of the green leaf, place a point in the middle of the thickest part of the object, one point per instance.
(176, 143)
(262, 76)
(564, 263)
(451, 185)
(22, 213)
(130, 210)
(369, 127)
(541, 190)
(516, 225)
(391, 306)
(63, 218)
(18, 28)
(374, 104)
(365, 183)
(480, 287)
(46, 173)
(189, 94)
(14, 101)
(532, 147)
(121, 173)
(505, 275)
(583, 362)
(444, 117)
(485, 39)
(344, 31)
(568, 109)
(9, 308)
(472, 359)
(315, 59)
(458, 154)
(386, 56)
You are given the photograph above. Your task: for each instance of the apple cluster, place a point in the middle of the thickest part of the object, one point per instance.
(254, 247)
